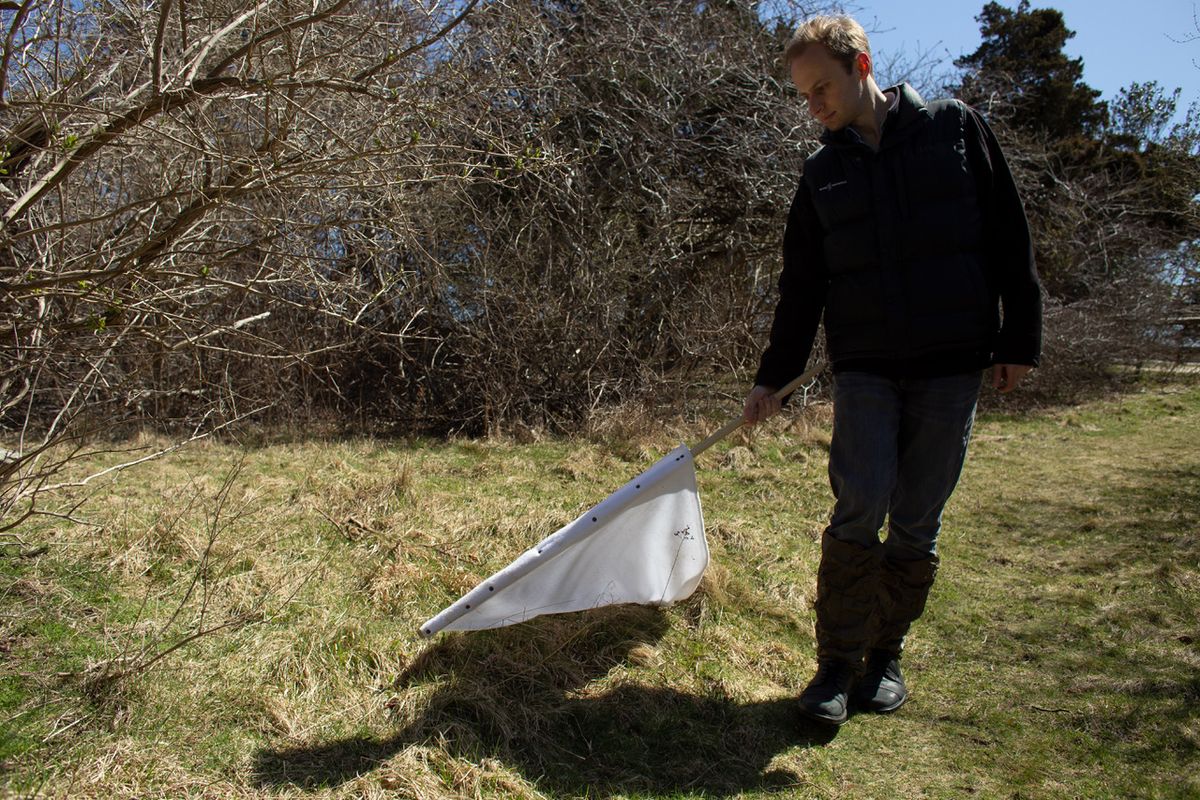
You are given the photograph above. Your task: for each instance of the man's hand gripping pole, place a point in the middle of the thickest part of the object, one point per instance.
(738, 421)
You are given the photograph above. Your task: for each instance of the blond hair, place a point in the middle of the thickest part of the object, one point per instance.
(842, 36)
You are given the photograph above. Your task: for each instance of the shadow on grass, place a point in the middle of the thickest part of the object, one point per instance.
(519, 696)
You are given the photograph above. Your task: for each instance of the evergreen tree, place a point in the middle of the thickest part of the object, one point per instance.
(1021, 60)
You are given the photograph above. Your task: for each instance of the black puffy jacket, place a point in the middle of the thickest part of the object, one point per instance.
(909, 251)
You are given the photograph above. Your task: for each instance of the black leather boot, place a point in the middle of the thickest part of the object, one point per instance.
(827, 696)
(903, 589)
(847, 589)
(847, 599)
(881, 688)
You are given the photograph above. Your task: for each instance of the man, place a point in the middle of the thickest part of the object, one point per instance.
(907, 232)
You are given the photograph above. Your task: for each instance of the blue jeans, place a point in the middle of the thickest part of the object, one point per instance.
(897, 452)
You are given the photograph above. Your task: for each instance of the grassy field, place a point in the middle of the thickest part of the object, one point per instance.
(240, 621)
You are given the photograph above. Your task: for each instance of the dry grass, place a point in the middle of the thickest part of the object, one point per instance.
(241, 622)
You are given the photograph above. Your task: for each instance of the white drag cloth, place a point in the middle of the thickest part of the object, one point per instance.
(643, 544)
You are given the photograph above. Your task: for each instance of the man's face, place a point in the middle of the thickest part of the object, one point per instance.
(835, 97)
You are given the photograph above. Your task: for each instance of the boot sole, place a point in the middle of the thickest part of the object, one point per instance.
(867, 706)
(887, 709)
(822, 718)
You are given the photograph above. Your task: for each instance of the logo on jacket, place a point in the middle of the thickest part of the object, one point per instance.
(832, 185)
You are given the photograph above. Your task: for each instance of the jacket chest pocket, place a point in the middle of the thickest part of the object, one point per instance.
(841, 198)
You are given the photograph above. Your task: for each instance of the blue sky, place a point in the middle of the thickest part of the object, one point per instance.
(1120, 42)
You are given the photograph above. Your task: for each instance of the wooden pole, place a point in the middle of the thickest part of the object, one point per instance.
(738, 421)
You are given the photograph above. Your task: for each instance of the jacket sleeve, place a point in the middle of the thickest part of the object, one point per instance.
(802, 289)
(1009, 248)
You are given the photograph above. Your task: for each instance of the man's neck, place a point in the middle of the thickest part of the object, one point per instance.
(871, 131)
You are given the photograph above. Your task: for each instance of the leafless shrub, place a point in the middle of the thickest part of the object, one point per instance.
(182, 235)
(420, 215)
(648, 252)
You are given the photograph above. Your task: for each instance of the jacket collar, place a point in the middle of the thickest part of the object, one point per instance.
(897, 125)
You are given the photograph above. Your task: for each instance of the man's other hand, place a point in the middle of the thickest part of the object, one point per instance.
(1005, 377)
(761, 404)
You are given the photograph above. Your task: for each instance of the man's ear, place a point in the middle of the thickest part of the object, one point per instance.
(862, 66)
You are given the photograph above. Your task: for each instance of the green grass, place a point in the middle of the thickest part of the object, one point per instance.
(241, 622)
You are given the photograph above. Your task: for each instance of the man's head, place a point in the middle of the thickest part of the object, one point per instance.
(830, 63)
(843, 37)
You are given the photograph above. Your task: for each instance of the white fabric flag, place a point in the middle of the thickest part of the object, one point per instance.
(643, 544)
